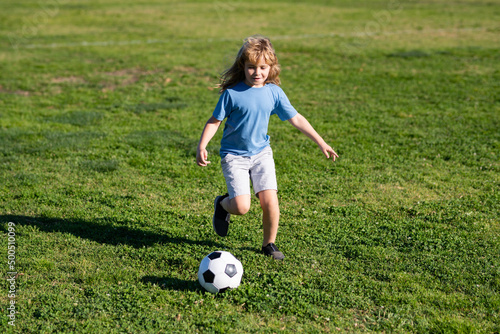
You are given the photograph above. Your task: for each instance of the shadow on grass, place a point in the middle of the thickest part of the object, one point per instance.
(103, 230)
(170, 283)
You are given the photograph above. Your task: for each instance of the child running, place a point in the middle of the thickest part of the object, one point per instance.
(250, 94)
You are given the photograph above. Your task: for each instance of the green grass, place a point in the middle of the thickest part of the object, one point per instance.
(101, 107)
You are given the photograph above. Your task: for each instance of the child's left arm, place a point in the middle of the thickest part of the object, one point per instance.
(301, 123)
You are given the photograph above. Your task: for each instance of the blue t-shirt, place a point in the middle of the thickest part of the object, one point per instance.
(248, 110)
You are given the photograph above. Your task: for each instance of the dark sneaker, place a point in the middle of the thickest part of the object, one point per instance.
(221, 217)
(272, 250)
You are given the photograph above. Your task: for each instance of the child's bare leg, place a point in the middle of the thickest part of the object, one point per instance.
(270, 215)
(238, 205)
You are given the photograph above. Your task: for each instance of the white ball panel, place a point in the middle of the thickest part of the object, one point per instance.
(218, 267)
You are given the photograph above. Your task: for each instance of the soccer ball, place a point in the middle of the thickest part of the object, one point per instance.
(220, 271)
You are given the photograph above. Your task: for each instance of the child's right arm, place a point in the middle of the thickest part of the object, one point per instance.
(208, 132)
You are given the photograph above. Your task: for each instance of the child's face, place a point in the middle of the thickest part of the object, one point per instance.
(256, 74)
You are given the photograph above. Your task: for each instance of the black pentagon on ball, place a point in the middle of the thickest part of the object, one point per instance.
(230, 270)
(209, 276)
(214, 255)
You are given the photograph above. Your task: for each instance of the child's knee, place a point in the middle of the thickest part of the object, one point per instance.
(243, 208)
(268, 198)
(241, 204)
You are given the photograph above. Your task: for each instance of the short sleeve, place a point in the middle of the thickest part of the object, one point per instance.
(284, 108)
(223, 107)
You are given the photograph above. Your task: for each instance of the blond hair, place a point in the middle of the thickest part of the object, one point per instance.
(254, 48)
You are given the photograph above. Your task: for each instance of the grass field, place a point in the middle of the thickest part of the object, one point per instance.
(101, 107)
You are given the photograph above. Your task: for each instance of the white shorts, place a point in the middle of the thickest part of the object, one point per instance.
(239, 170)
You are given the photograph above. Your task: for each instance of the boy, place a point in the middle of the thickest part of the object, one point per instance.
(250, 95)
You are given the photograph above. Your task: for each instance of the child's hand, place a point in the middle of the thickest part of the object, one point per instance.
(201, 157)
(329, 152)
(207, 134)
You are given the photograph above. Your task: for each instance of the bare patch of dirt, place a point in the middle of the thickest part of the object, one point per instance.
(16, 92)
(71, 80)
(125, 77)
